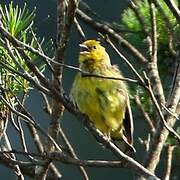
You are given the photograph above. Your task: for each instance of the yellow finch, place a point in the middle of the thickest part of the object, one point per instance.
(105, 101)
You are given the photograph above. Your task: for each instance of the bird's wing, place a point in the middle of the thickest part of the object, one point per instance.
(128, 124)
(126, 143)
(128, 130)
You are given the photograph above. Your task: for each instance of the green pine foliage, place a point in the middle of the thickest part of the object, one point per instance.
(131, 22)
(19, 23)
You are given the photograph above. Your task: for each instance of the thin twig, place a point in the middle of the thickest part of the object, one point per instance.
(126, 61)
(160, 113)
(80, 31)
(27, 59)
(169, 155)
(7, 146)
(40, 50)
(141, 19)
(152, 64)
(71, 151)
(104, 28)
(168, 24)
(161, 133)
(144, 113)
(57, 156)
(32, 122)
(27, 77)
(174, 9)
(169, 111)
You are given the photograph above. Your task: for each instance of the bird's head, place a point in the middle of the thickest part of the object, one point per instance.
(91, 51)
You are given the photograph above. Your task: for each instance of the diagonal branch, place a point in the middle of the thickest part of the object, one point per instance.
(174, 9)
(152, 64)
(161, 134)
(169, 155)
(104, 28)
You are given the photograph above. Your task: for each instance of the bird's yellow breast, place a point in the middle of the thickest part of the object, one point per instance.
(103, 100)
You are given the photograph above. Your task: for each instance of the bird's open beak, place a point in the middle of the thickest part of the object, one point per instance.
(83, 49)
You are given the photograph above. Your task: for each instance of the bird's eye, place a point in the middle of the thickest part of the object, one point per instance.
(94, 47)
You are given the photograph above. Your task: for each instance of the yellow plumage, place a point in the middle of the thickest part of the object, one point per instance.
(105, 101)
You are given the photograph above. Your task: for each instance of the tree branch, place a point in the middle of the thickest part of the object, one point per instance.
(103, 28)
(174, 9)
(169, 153)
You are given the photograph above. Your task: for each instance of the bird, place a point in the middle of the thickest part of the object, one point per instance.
(104, 100)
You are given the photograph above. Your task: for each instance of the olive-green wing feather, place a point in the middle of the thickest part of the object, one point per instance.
(128, 124)
(126, 143)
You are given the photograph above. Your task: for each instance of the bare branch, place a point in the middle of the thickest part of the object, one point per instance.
(169, 26)
(174, 9)
(32, 122)
(127, 62)
(72, 152)
(144, 113)
(169, 153)
(135, 8)
(103, 28)
(152, 64)
(161, 132)
(160, 113)
(58, 156)
(81, 33)
(6, 145)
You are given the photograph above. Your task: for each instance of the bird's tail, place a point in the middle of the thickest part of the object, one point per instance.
(124, 146)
